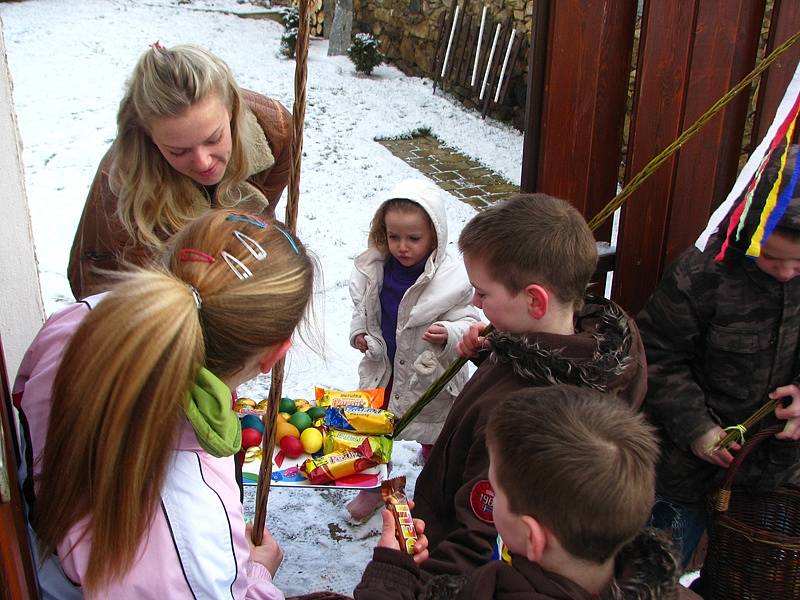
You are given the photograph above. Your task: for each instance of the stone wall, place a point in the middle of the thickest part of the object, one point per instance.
(408, 31)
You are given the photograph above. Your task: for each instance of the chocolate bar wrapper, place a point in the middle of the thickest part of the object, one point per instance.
(369, 398)
(336, 440)
(334, 465)
(360, 419)
(394, 495)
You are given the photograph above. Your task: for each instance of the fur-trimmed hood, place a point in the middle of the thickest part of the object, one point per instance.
(605, 353)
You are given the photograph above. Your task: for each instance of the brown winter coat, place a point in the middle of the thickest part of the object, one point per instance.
(646, 570)
(606, 354)
(101, 241)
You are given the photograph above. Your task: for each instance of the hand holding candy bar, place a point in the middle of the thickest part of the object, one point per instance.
(388, 537)
(400, 531)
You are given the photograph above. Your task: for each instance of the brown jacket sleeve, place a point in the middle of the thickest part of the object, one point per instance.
(276, 121)
(101, 242)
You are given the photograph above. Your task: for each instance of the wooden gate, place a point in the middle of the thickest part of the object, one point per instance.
(581, 132)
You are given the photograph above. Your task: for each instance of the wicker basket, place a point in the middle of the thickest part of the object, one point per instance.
(754, 540)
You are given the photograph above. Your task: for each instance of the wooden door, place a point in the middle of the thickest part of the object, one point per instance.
(17, 578)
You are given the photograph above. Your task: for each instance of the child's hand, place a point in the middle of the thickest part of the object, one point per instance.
(472, 341)
(361, 342)
(702, 448)
(436, 334)
(388, 539)
(791, 431)
(269, 553)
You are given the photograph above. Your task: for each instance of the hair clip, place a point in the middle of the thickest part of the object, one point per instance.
(157, 45)
(197, 299)
(194, 255)
(238, 267)
(252, 220)
(253, 247)
(290, 238)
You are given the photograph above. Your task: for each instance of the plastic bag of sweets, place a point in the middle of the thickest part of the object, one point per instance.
(341, 441)
(394, 495)
(370, 398)
(360, 419)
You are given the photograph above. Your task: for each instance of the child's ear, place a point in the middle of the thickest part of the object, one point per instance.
(535, 538)
(273, 354)
(538, 300)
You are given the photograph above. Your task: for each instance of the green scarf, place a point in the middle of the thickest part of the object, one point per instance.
(208, 408)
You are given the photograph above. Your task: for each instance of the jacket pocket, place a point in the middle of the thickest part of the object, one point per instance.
(736, 360)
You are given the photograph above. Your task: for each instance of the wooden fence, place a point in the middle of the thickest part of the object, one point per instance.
(584, 128)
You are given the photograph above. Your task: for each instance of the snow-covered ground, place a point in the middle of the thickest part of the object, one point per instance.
(69, 62)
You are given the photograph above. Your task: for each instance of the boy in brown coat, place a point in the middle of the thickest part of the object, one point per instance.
(530, 260)
(573, 475)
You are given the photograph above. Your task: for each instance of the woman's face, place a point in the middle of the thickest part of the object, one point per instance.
(196, 143)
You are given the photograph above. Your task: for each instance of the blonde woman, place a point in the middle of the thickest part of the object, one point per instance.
(188, 139)
(135, 495)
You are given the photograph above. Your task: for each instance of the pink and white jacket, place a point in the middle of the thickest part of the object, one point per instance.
(195, 546)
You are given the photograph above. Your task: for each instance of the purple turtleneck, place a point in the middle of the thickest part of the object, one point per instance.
(396, 281)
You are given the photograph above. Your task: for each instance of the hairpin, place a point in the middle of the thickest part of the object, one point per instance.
(194, 255)
(252, 220)
(288, 237)
(253, 247)
(197, 299)
(157, 45)
(238, 267)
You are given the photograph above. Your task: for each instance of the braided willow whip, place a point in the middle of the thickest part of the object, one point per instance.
(736, 432)
(656, 162)
(276, 385)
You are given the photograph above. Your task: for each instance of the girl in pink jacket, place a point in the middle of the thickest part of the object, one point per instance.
(135, 495)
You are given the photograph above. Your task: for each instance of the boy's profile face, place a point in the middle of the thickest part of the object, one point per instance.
(780, 257)
(507, 523)
(506, 311)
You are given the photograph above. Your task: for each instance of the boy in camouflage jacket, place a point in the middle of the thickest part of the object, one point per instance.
(721, 338)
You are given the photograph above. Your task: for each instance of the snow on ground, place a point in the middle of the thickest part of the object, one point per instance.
(69, 62)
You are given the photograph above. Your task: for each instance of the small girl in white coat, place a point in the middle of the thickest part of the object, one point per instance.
(412, 305)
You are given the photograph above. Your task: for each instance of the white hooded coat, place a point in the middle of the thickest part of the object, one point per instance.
(441, 295)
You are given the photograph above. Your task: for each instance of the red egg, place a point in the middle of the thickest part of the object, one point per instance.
(251, 437)
(291, 446)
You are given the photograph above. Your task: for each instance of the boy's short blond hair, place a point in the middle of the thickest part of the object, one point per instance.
(534, 238)
(580, 462)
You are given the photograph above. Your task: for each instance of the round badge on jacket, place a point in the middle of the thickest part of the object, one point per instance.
(481, 499)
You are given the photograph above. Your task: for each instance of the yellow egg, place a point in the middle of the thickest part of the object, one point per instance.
(284, 429)
(284, 416)
(311, 439)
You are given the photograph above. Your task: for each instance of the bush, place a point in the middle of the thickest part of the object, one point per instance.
(365, 53)
(290, 17)
(289, 42)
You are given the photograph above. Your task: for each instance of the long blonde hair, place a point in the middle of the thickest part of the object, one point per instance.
(120, 391)
(155, 201)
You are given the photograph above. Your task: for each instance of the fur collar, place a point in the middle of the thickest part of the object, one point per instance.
(593, 357)
(256, 146)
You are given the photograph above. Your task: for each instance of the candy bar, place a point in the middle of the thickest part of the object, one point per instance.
(394, 495)
(360, 419)
(370, 398)
(342, 441)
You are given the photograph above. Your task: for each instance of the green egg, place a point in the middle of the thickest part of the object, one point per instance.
(300, 420)
(316, 412)
(286, 406)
